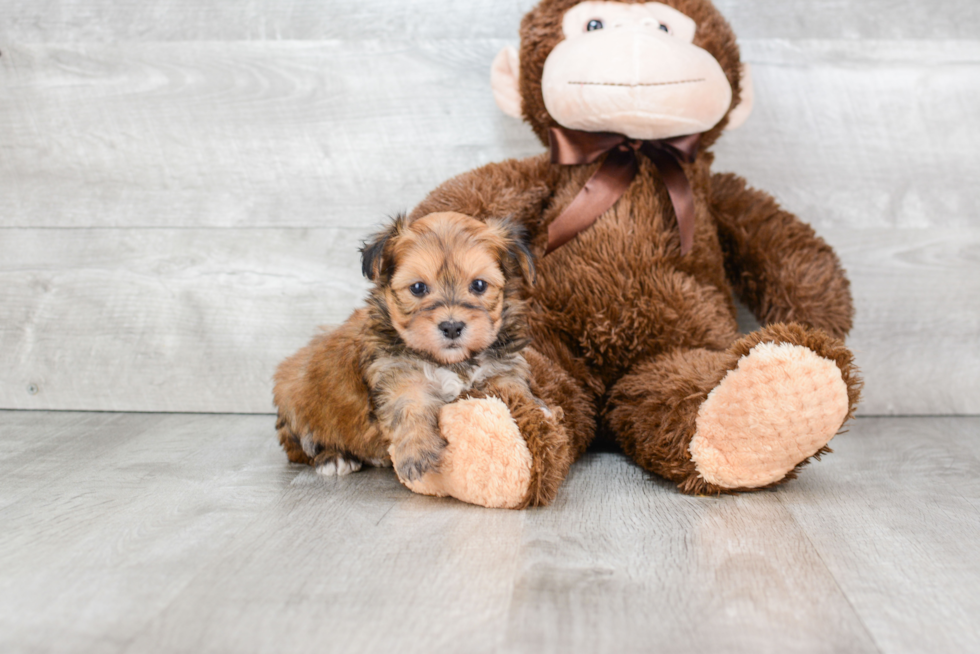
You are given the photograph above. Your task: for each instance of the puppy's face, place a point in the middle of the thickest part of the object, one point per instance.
(443, 280)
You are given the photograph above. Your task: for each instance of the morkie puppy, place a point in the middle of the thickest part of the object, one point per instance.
(445, 319)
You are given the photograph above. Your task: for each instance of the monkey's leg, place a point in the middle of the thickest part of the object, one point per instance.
(737, 420)
(511, 448)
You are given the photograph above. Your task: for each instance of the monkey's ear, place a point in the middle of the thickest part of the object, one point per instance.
(741, 113)
(505, 81)
(516, 256)
(376, 251)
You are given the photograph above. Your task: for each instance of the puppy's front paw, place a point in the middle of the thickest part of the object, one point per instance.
(413, 461)
(337, 466)
(487, 461)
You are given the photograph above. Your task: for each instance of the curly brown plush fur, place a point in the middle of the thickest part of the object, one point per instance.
(428, 335)
(644, 332)
(655, 407)
(628, 334)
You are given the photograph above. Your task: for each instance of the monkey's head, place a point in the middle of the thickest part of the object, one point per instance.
(649, 70)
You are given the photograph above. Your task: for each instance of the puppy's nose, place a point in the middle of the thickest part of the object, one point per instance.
(452, 329)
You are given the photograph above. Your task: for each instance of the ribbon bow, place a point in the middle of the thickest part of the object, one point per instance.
(574, 148)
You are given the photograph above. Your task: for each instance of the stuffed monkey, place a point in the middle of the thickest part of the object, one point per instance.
(639, 247)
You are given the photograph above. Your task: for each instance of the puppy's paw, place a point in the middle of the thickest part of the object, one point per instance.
(413, 461)
(338, 466)
(487, 461)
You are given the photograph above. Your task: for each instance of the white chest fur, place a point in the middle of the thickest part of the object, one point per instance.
(449, 384)
(446, 384)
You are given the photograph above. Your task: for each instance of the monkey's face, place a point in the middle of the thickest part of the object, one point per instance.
(446, 294)
(633, 69)
(651, 70)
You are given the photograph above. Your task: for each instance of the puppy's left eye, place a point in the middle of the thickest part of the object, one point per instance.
(478, 287)
(418, 289)
(664, 28)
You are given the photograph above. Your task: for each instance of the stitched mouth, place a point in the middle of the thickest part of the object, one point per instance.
(633, 86)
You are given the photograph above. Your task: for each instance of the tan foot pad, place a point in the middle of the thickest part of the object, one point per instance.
(776, 409)
(486, 461)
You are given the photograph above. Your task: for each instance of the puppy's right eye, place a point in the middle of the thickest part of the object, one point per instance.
(593, 25)
(419, 289)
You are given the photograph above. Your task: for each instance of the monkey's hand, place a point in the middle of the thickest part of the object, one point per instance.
(506, 450)
(487, 461)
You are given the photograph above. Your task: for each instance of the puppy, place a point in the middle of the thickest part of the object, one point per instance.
(445, 319)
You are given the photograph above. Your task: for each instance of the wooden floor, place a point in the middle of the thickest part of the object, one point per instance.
(191, 533)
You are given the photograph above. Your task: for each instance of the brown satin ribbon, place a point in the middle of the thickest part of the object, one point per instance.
(609, 183)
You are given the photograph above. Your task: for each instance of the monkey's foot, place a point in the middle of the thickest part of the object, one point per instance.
(781, 405)
(486, 461)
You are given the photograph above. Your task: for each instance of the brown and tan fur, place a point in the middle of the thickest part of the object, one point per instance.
(629, 335)
(325, 416)
(408, 365)
(645, 332)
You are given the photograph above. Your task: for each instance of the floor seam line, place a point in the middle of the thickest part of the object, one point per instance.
(857, 614)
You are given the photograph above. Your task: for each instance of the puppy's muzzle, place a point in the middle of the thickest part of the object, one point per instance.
(452, 329)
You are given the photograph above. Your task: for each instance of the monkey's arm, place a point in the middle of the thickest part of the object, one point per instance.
(504, 450)
(779, 267)
(518, 189)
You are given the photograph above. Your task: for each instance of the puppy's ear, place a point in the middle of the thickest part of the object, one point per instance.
(376, 252)
(515, 254)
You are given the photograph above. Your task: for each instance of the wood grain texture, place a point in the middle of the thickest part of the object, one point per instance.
(338, 134)
(27, 440)
(351, 565)
(222, 135)
(54, 21)
(895, 517)
(112, 521)
(864, 135)
(197, 320)
(738, 574)
(165, 320)
(183, 187)
(918, 318)
(156, 533)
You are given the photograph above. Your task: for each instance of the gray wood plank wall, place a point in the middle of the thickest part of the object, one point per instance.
(183, 186)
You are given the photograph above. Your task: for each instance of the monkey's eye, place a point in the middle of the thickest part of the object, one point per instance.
(594, 24)
(419, 289)
(478, 287)
(664, 28)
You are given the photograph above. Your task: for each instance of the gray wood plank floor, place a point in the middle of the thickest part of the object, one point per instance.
(191, 533)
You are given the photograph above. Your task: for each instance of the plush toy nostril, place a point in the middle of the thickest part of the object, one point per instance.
(452, 330)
